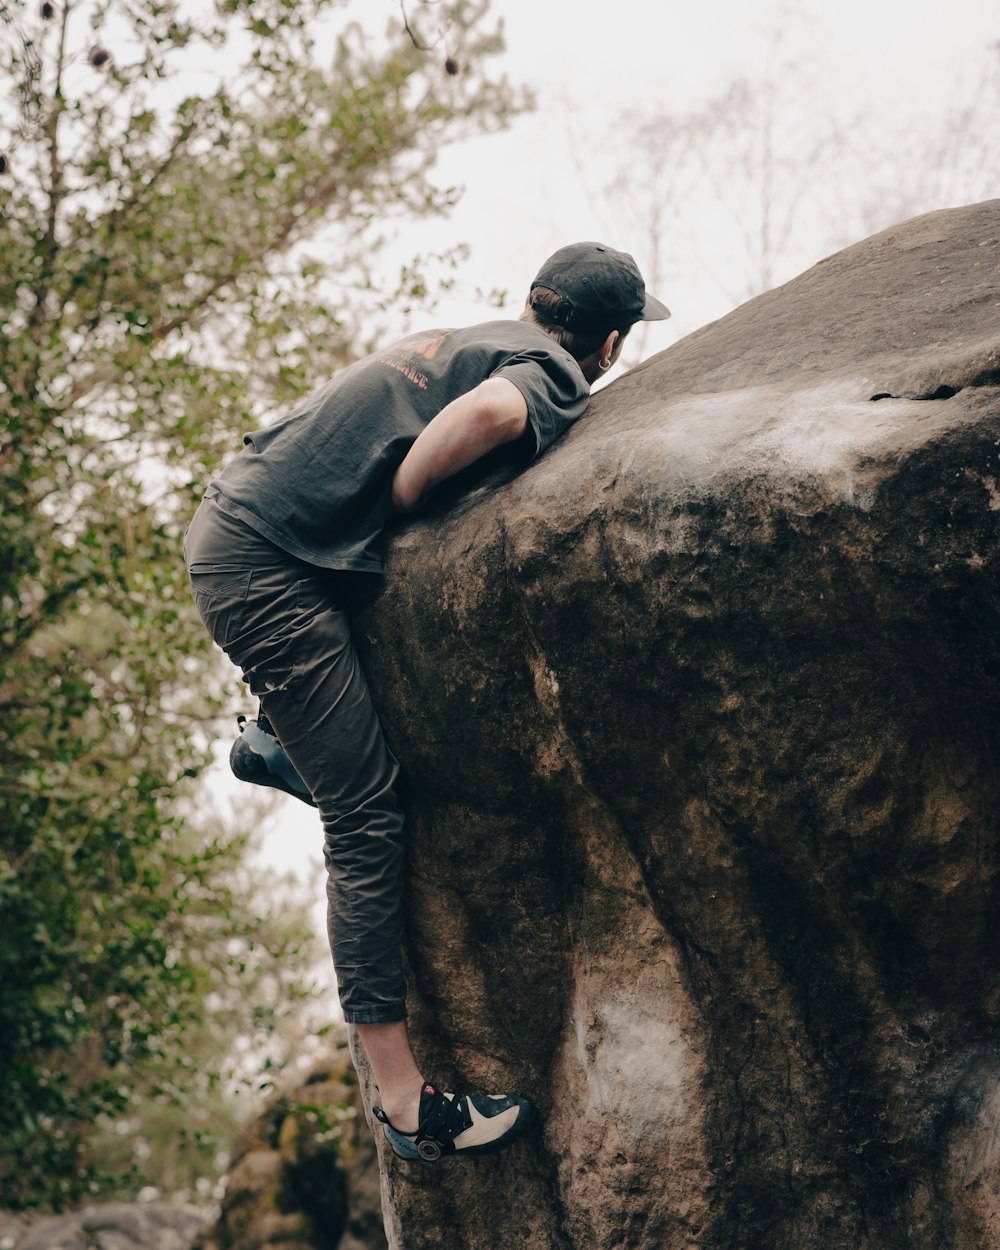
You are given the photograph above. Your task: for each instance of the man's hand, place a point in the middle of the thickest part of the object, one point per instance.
(495, 412)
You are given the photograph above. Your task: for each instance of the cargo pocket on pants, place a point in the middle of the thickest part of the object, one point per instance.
(220, 595)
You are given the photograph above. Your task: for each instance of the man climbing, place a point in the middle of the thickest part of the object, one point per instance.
(307, 502)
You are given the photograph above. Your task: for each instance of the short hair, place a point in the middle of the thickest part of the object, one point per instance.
(579, 343)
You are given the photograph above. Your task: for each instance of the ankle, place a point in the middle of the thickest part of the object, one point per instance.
(401, 1104)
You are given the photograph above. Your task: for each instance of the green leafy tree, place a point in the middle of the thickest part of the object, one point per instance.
(191, 201)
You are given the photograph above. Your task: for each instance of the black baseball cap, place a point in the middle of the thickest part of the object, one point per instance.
(599, 287)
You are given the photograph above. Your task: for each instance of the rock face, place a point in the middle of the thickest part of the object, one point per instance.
(699, 717)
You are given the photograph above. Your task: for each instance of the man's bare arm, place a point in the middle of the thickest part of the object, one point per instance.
(493, 413)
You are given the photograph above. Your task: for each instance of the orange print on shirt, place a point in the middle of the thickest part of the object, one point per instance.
(428, 348)
(404, 358)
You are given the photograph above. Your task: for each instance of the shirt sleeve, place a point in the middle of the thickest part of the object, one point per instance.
(553, 387)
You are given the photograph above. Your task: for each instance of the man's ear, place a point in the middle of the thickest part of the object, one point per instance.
(608, 349)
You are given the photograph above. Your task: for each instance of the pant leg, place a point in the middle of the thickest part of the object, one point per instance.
(283, 623)
(326, 723)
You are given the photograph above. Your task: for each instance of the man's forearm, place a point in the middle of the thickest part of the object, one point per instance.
(493, 413)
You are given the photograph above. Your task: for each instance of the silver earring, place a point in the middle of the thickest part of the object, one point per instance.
(604, 365)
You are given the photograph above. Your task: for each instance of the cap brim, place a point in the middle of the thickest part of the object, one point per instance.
(653, 310)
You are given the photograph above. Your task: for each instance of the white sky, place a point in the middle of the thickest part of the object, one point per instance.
(587, 62)
(539, 185)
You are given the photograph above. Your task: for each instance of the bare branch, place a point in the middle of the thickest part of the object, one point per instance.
(421, 47)
(55, 194)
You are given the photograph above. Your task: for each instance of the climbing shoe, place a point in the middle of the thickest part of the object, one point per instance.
(258, 757)
(459, 1124)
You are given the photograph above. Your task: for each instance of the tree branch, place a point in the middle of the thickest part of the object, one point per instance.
(421, 47)
(55, 190)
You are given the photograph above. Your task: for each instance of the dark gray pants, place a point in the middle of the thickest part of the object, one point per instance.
(283, 622)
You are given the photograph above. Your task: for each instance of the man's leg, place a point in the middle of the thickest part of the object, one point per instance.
(281, 623)
(324, 718)
(314, 692)
(395, 1070)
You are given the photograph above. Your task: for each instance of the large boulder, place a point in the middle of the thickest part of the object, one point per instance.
(698, 717)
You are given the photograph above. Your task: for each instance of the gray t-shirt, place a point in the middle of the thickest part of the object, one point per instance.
(319, 482)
